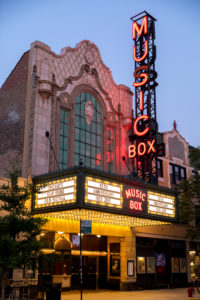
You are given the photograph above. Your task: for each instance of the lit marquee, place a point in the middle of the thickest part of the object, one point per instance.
(160, 204)
(57, 192)
(103, 192)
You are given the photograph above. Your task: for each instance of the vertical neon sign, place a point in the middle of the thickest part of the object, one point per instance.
(143, 147)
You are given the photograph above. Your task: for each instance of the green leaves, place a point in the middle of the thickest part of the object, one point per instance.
(189, 205)
(195, 157)
(19, 229)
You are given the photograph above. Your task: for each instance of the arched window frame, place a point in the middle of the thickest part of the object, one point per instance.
(63, 104)
(96, 95)
(111, 142)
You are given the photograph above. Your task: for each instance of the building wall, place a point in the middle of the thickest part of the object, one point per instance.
(30, 102)
(21, 182)
(12, 116)
(176, 153)
(54, 81)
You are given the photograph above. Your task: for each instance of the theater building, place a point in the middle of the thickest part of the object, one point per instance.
(66, 123)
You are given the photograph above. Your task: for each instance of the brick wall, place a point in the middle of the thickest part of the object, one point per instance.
(12, 116)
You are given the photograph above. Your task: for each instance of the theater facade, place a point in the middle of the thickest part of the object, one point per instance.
(113, 255)
(73, 123)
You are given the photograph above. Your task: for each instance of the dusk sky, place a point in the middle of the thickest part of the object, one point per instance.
(107, 23)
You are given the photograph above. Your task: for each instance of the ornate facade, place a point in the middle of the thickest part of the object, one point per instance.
(64, 118)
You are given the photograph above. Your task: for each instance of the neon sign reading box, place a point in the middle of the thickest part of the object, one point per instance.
(103, 192)
(57, 192)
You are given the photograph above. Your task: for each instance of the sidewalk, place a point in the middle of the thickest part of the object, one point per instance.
(166, 294)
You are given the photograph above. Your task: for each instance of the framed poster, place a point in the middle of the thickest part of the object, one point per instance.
(141, 268)
(130, 268)
(183, 265)
(160, 259)
(150, 264)
(175, 265)
(115, 265)
(75, 241)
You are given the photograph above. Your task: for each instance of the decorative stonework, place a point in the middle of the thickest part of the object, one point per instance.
(176, 148)
(89, 56)
(89, 111)
(44, 89)
(64, 99)
(66, 68)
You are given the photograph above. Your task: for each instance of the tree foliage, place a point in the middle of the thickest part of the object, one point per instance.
(19, 246)
(189, 206)
(195, 157)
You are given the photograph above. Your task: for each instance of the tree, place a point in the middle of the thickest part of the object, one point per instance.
(19, 246)
(189, 205)
(195, 157)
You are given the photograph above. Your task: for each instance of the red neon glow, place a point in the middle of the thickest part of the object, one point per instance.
(98, 159)
(143, 27)
(141, 149)
(151, 147)
(109, 157)
(141, 75)
(131, 151)
(135, 205)
(140, 133)
(136, 193)
(111, 135)
(109, 141)
(144, 148)
(141, 100)
(138, 59)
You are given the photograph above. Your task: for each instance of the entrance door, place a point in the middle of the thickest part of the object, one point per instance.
(94, 272)
(89, 272)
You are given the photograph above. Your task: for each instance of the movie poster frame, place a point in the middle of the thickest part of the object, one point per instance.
(130, 268)
(139, 269)
(175, 265)
(151, 267)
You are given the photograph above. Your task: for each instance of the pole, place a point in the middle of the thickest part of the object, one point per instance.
(81, 263)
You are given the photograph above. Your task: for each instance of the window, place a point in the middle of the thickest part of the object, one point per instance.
(28, 273)
(88, 132)
(177, 174)
(110, 148)
(160, 168)
(63, 138)
(194, 173)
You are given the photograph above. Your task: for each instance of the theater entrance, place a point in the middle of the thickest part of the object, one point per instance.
(94, 272)
(94, 262)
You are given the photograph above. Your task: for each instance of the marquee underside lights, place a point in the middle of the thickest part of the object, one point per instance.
(57, 192)
(103, 192)
(160, 204)
(100, 218)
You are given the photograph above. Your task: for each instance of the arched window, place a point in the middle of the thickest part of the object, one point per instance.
(88, 132)
(63, 140)
(110, 143)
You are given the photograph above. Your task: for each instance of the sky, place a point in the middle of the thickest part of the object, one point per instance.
(62, 23)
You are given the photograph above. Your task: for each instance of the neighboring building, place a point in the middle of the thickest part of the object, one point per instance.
(66, 123)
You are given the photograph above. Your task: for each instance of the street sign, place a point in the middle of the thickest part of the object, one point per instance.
(86, 226)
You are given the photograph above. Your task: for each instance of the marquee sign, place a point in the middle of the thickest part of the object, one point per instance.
(98, 192)
(103, 192)
(160, 204)
(56, 192)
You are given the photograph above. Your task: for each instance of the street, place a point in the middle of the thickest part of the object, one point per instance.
(164, 294)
